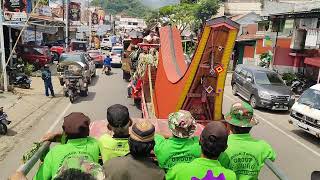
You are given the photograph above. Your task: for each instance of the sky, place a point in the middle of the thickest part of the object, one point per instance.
(158, 3)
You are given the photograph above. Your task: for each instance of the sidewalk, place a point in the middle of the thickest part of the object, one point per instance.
(25, 107)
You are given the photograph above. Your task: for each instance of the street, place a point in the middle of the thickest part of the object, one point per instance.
(298, 153)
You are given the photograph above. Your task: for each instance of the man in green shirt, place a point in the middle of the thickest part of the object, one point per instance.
(78, 145)
(245, 155)
(182, 147)
(213, 141)
(119, 122)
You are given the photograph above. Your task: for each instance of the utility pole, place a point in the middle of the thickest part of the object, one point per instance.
(67, 23)
(3, 54)
(90, 27)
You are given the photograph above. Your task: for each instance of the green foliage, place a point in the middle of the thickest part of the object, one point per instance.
(28, 69)
(132, 8)
(188, 14)
(288, 78)
(206, 9)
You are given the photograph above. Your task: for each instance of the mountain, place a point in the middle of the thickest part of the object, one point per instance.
(158, 3)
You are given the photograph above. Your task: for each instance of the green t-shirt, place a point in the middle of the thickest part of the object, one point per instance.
(199, 168)
(175, 150)
(75, 148)
(246, 156)
(112, 147)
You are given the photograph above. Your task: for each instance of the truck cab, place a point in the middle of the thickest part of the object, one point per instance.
(305, 113)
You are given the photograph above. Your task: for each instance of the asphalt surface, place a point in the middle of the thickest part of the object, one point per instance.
(298, 153)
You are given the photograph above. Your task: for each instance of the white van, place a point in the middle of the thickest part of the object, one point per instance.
(106, 44)
(305, 113)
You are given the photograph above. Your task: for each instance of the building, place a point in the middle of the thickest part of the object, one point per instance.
(128, 23)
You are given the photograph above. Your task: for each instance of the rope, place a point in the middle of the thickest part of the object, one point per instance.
(151, 90)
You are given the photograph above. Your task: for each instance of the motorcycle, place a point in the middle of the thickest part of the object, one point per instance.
(74, 82)
(4, 122)
(17, 78)
(108, 71)
(300, 84)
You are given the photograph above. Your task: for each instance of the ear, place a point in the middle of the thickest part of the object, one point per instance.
(130, 122)
(109, 127)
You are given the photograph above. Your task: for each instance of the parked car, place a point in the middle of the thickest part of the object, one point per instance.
(305, 113)
(97, 57)
(262, 88)
(83, 58)
(37, 55)
(116, 55)
(55, 43)
(78, 46)
(106, 44)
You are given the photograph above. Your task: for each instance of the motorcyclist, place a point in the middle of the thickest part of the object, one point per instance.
(107, 63)
(46, 77)
(4, 117)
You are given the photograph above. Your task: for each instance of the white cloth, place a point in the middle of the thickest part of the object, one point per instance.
(311, 39)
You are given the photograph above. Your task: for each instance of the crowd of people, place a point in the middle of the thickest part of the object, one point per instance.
(224, 151)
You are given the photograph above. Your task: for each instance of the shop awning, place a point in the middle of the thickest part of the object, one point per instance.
(314, 61)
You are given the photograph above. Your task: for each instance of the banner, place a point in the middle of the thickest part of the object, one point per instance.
(29, 35)
(95, 18)
(74, 11)
(15, 5)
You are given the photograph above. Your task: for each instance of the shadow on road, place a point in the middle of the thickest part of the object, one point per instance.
(90, 97)
(11, 132)
(94, 80)
(307, 137)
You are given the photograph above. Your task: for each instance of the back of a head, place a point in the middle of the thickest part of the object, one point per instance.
(118, 115)
(141, 140)
(74, 174)
(213, 139)
(76, 125)
(315, 175)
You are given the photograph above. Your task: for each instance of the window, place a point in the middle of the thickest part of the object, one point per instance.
(243, 73)
(238, 69)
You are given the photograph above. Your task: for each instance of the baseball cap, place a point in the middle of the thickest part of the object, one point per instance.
(76, 125)
(241, 115)
(214, 137)
(182, 124)
(142, 131)
(118, 115)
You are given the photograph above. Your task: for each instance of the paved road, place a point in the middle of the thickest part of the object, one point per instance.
(298, 152)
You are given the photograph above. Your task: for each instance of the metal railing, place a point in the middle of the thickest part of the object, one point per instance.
(276, 171)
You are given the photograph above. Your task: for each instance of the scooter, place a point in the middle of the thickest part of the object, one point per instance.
(18, 79)
(4, 122)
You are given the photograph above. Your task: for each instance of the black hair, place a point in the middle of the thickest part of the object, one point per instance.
(118, 115)
(74, 174)
(212, 146)
(140, 149)
(315, 175)
(240, 130)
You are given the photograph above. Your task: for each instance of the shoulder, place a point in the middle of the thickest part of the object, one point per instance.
(104, 137)
(116, 162)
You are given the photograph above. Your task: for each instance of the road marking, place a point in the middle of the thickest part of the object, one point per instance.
(59, 118)
(281, 131)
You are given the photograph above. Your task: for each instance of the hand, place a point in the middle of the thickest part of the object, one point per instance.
(18, 176)
(52, 137)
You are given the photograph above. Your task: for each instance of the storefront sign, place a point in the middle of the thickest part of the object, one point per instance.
(74, 11)
(45, 11)
(15, 16)
(29, 35)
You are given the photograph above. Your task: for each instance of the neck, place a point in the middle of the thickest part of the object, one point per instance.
(122, 135)
(204, 156)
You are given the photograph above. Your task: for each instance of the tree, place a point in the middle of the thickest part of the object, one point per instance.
(206, 9)
(133, 8)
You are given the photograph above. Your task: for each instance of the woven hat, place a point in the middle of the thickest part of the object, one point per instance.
(142, 131)
(182, 124)
(241, 115)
